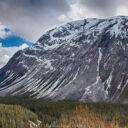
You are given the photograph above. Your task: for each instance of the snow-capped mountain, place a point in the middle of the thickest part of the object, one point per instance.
(83, 60)
(10, 43)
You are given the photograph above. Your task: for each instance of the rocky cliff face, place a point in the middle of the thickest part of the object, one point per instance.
(83, 60)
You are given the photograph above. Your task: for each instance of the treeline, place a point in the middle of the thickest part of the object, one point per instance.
(50, 112)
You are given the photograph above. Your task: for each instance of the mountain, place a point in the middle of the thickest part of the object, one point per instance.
(84, 60)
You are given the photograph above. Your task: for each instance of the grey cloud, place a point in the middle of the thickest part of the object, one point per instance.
(60, 5)
(103, 7)
(30, 18)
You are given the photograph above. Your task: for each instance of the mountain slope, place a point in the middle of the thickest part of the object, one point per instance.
(83, 60)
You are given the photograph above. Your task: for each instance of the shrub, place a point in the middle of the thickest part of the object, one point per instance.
(83, 118)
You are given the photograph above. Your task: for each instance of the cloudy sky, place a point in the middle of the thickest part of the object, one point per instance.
(31, 18)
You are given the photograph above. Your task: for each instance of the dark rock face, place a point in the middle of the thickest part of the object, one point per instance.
(83, 60)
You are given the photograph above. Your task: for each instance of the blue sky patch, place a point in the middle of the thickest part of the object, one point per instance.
(13, 41)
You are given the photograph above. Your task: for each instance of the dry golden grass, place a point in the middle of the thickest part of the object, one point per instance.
(83, 118)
